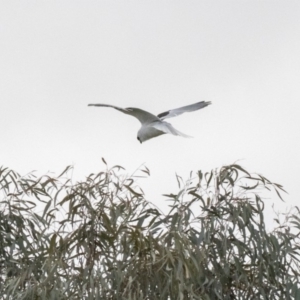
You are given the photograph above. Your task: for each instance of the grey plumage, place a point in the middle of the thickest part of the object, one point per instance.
(153, 126)
(178, 111)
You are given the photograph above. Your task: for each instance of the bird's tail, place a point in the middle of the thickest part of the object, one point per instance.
(168, 128)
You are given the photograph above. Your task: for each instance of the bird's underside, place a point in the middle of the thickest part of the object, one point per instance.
(153, 126)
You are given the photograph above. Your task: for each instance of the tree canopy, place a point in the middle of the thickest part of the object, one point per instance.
(100, 238)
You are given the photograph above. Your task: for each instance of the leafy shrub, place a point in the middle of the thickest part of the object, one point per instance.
(101, 239)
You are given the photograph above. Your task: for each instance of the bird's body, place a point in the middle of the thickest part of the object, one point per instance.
(153, 126)
(148, 132)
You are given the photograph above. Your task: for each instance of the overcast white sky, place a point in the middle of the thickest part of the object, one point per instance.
(244, 56)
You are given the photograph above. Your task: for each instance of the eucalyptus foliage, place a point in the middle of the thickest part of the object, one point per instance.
(101, 239)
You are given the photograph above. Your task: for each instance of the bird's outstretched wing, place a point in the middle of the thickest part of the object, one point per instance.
(168, 128)
(141, 115)
(178, 111)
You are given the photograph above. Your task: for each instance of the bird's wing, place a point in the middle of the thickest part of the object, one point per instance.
(178, 111)
(141, 115)
(168, 128)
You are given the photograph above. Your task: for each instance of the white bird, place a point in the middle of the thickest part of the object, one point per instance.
(153, 126)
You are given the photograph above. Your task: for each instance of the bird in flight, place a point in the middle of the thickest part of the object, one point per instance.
(153, 126)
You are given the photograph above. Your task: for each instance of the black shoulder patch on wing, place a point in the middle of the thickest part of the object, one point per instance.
(163, 114)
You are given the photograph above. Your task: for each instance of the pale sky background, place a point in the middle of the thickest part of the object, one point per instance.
(56, 57)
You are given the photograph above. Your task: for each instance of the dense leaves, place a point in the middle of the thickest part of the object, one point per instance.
(101, 239)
